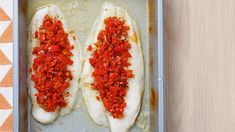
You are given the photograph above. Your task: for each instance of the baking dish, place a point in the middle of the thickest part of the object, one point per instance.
(149, 17)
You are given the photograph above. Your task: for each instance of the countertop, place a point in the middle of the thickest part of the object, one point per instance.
(200, 65)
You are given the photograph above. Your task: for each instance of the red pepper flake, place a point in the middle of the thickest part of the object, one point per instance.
(30, 70)
(110, 63)
(74, 38)
(89, 48)
(36, 34)
(97, 97)
(72, 47)
(51, 75)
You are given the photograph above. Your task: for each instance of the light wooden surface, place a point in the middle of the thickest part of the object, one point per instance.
(200, 65)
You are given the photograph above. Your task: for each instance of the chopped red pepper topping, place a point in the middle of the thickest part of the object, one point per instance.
(49, 71)
(110, 63)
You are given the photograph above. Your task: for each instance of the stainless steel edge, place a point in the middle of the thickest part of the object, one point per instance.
(19, 65)
(15, 67)
(161, 114)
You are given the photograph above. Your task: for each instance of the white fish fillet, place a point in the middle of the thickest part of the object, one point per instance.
(38, 113)
(136, 85)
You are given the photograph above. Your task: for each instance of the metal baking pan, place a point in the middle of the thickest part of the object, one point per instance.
(149, 17)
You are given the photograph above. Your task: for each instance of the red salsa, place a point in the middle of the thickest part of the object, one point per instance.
(110, 63)
(49, 71)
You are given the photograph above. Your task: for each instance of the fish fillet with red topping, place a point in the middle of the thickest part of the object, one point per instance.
(54, 62)
(113, 73)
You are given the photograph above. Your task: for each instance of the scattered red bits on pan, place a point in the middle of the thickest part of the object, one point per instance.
(49, 71)
(89, 48)
(110, 63)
